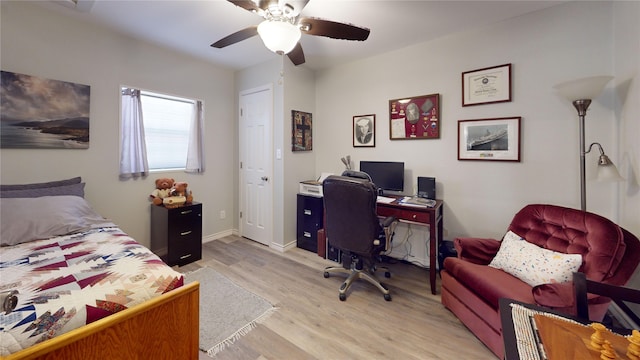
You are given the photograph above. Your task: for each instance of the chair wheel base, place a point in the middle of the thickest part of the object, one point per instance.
(343, 297)
(326, 274)
(387, 297)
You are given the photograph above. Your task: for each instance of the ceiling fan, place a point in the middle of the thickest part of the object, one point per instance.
(282, 28)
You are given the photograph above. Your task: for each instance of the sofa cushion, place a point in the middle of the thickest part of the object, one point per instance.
(489, 283)
(532, 264)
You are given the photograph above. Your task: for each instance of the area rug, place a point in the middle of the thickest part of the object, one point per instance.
(227, 311)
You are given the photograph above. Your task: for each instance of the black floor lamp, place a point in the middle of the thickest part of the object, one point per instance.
(580, 92)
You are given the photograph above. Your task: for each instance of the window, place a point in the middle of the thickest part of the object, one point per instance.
(160, 132)
(167, 121)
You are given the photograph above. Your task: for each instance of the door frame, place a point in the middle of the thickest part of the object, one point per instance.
(270, 128)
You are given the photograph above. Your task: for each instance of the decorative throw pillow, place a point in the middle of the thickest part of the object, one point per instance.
(533, 264)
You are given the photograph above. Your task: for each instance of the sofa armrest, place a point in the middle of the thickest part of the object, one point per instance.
(558, 295)
(477, 250)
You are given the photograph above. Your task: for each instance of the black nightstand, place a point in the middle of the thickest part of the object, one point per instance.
(176, 234)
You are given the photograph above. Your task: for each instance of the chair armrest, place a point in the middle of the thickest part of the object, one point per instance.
(477, 250)
(388, 221)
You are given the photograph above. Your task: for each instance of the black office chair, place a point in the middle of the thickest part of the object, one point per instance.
(618, 294)
(352, 225)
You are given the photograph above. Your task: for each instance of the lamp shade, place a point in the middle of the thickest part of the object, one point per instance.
(583, 89)
(607, 171)
(279, 36)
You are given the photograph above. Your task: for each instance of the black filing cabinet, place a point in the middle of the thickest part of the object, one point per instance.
(309, 221)
(176, 234)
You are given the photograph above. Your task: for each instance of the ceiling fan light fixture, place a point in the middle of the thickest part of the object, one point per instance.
(279, 36)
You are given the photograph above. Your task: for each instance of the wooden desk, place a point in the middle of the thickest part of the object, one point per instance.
(433, 217)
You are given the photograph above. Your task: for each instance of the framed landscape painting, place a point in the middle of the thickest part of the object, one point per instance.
(43, 113)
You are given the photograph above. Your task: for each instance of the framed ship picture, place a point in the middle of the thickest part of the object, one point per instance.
(496, 139)
(43, 113)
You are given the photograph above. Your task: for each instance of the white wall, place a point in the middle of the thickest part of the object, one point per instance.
(299, 165)
(480, 197)
(557, 44)
(626, 35)
(41, 43)
(626, 42)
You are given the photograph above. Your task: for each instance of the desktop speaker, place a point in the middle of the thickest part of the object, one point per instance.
(427, 187)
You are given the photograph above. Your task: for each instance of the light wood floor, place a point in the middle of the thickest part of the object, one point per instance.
(312, 323)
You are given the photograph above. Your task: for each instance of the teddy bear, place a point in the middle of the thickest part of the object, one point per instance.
(180, 189)
(162, 190)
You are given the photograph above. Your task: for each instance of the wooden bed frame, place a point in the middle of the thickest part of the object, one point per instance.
(168, 324)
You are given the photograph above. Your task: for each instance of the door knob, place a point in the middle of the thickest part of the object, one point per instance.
(264, 178)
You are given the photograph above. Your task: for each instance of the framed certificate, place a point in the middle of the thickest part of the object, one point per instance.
(486, 86)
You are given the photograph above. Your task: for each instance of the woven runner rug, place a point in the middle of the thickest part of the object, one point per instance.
(227, 311)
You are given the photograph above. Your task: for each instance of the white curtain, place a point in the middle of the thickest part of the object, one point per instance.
(133, 161)
(195, 151)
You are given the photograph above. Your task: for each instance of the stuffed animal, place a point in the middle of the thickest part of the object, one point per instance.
(162, 190)
(180, 189)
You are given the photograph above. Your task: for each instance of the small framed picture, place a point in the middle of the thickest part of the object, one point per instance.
(364, 131)
(301, 131)
(496, 139)
(486, 86)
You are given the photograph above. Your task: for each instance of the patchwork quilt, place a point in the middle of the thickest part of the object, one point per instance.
(68, 281)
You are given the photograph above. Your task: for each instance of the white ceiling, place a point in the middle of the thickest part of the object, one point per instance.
(192, 26)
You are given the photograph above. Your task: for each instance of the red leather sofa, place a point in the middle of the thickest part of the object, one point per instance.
(471, 288)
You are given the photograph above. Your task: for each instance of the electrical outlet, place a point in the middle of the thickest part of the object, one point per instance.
(223, 214)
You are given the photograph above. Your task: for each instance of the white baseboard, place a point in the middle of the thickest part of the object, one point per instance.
(283, 248)
(219, 235)
(273, 245)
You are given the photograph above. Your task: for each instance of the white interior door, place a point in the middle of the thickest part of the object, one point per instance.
(256, 191)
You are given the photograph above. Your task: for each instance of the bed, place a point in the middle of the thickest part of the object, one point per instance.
(84, 289)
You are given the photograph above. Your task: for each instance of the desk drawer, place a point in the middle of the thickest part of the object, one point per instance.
(408, 214)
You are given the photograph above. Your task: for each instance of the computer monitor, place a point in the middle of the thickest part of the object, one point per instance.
(387, 175)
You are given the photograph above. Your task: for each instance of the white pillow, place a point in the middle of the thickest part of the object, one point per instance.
(533, 264)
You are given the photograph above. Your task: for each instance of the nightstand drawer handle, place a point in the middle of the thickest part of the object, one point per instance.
(186, 212)
(186, 233)
(307, 212)
(307, 234)
(185, 256)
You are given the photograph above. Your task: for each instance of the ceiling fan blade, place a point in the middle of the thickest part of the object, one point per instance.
(246, 4)
(296, 55)
(332, 29)
(236, 37)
